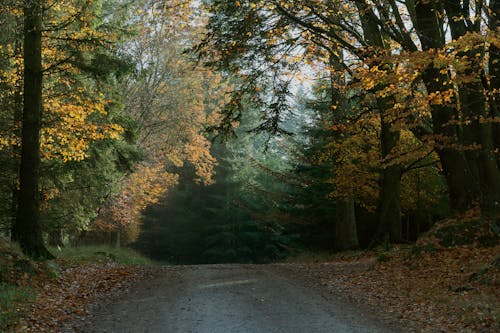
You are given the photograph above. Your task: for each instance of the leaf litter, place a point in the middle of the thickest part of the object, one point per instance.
(446, 290)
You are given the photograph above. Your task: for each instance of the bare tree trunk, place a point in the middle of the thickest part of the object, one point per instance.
(56, 238)
(389, 208)
(18, 115)
(461, 173)
(118, 240)
(27, 229)
(494, 73)
(346, 234)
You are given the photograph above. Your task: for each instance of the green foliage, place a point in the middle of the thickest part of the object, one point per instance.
(72, 191)
(13, 263)
(261, 201)
(224, 222)
(83, 187)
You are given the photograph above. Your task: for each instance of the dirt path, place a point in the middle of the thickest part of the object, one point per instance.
(229, 298)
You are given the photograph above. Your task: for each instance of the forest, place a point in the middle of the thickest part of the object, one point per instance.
(246, 130)
(253, 132)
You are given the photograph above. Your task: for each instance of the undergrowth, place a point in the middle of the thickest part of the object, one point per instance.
(11, 297)
(325, 256)
(101, 253)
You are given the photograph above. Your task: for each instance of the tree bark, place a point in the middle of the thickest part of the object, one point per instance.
(389, 207)
(346, 234)
(17, 108)
(474, 107)
(118, 239)
(27, 229)
(389, 210)
(494, 73)
(461, 176)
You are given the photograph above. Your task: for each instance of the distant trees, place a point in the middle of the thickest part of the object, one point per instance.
(110, 104)
(101, 108)
(170, 100)
(234, 219)
(416, 89)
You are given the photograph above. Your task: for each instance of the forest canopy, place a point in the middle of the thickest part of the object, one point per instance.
(208, 131)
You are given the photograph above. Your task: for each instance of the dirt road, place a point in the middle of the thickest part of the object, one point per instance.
(229, 298)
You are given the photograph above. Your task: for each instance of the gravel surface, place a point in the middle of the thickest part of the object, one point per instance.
(231, 298)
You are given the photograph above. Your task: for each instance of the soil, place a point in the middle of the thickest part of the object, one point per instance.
(235, 298)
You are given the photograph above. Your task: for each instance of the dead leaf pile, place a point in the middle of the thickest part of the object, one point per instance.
(66, 299)
(451, 290)
(445, 290)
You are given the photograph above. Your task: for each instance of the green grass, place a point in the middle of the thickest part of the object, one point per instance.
(11, 297)
(102, 254)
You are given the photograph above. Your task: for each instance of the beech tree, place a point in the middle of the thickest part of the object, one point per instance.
(384, 38)
(171, 99)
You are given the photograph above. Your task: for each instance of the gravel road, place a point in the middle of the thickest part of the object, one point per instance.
(229, 298)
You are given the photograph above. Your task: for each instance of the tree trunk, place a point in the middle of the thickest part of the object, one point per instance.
(27, 229)
(17, 120)
(118, 240)
(461, 176)
(346, 234)
(494, 73)
(56, 238)
(389, 208)
(461, 173)
(473, 103)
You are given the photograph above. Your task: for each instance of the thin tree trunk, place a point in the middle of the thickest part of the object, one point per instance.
(118, 240)
(389, 210)
(494, 73)
(56, 238)
(346, 234)
(17, 121)
(27, 228)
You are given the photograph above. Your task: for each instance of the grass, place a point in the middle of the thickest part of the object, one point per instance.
(11, 297)
(101, 253)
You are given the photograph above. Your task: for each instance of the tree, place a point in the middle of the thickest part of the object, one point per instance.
(226, 221)
(75, 114)
(172, 100)
(27, 229)
(283, 34)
